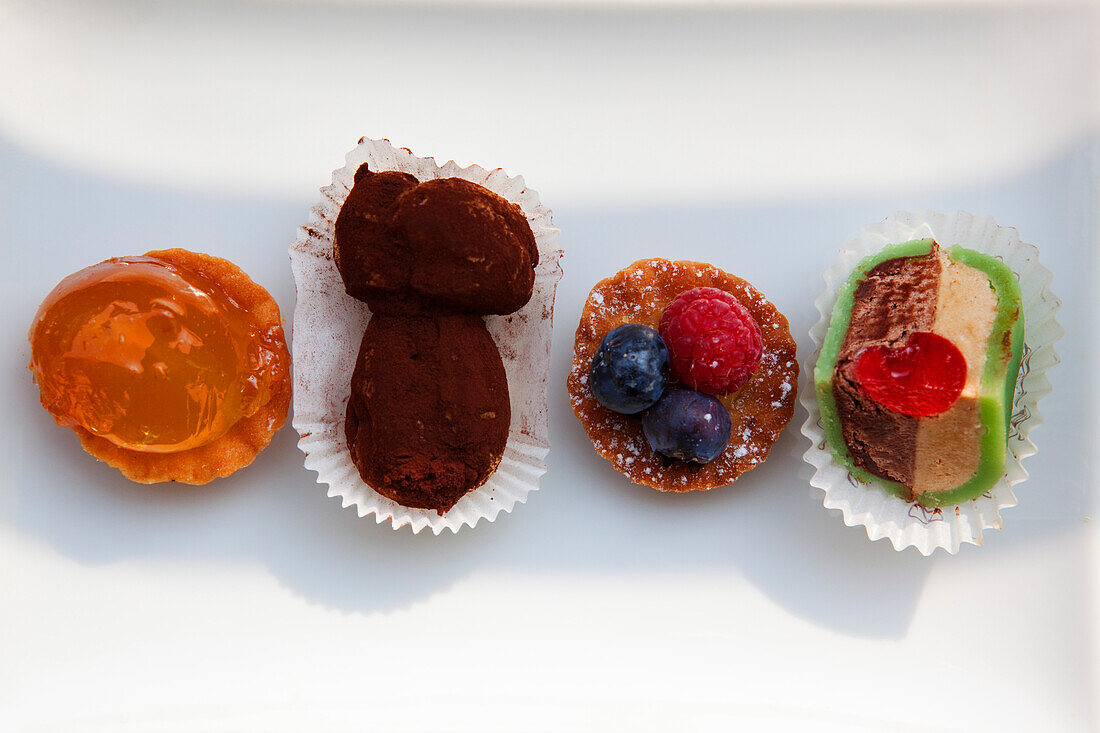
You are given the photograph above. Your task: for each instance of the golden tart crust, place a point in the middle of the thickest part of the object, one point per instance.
(249, 435)
(759, 411)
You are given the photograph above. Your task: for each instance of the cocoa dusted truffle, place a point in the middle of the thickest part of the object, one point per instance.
(429, 412)
(428, 416)
(372, 262)
(441, 244)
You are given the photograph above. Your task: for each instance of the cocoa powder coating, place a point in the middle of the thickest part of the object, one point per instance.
(429, 412)
(470, 249)
(445, 244)
(372, 261)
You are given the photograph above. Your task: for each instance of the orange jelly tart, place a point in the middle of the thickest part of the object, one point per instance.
(683, 375)
(171, 366)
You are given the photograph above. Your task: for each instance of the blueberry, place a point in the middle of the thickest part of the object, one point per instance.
(688, 425)
(630, 369)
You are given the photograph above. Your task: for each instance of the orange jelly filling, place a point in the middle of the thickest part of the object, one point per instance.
(151, 356)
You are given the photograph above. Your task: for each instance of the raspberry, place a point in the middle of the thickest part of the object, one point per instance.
(714, 344)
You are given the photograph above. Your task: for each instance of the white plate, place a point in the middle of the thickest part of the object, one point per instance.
(757, 139)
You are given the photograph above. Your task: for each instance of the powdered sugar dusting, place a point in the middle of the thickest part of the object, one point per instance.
(759, 411)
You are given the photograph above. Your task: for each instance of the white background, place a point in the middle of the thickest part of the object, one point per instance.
(756, 138)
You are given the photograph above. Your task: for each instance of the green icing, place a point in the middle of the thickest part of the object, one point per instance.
(999, 373)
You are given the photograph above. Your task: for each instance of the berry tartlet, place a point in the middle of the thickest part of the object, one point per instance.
(683, 375)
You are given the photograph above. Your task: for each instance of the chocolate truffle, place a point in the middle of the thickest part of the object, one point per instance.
(372, 261)
(445, 244)
(429, 414)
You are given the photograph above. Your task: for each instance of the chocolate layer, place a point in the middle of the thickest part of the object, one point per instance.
(896, 299)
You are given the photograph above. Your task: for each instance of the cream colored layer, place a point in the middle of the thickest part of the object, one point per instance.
(948, 444)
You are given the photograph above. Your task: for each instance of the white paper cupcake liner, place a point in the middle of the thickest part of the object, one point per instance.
(879, 512)
(329, 325)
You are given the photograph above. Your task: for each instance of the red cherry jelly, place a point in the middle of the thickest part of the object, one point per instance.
(923, 377)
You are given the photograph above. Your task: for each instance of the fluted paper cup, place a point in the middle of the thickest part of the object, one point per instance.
(329, 326)
(905, 523)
